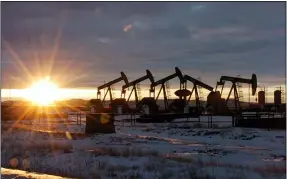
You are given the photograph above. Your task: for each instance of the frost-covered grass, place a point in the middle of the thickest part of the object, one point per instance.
(147, 151)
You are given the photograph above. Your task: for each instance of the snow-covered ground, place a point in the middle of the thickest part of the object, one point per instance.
(20, 174)
(175, 150)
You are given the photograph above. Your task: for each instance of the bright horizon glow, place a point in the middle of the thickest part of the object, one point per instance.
(43, 92)
(90, 93)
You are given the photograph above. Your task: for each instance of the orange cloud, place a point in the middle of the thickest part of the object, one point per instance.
(128, 27)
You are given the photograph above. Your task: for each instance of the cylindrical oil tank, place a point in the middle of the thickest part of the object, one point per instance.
(261, 97)
(213, 98)
(277, 97)
(218, 104)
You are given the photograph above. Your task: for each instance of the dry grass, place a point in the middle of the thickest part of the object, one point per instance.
(118, 168)
(156, 164)
(93, 163)
(123, 152)
(261, 170)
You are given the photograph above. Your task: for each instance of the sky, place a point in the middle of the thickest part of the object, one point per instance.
(84, 44)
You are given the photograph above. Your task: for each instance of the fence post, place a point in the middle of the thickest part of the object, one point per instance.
(131, 119)
(123, 123)
(233, 120)
(211, 121)
(208, 121)
(134, 119)
(77, 117)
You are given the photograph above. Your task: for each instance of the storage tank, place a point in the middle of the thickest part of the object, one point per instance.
(218, 104)
(277, 97)
(213, 98)
(261, 97)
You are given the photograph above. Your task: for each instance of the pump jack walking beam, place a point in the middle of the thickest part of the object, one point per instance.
(196, 83)
(162, 83)
(109, 84)
(135, 82)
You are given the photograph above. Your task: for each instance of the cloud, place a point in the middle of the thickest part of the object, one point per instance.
(206, 39)
(104, 40)
(197, 7)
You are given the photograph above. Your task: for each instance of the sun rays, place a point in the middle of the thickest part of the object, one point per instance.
(43, 92)
(46, 57)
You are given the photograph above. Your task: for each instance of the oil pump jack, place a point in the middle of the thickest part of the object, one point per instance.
(109, 84)
(196, 83)
(234, 80)
(220, 83)
(134, 87)
(163, 88)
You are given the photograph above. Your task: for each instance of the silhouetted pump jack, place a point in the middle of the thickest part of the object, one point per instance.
(134, 88)
(234, 80)
(109, 84)
(195, 83)
(162, 83)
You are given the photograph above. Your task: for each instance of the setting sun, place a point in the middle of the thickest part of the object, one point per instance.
(43, 92)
